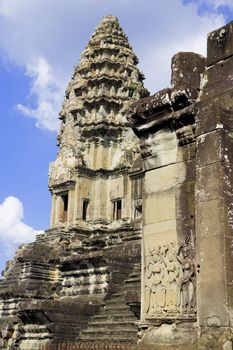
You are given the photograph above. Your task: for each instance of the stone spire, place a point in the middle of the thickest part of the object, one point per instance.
(94, 110)
(105, 79)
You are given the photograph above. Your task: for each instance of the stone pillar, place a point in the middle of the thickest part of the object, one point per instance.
(126, 203)
(76, 198)
(70, 216)
(58, 210)
(53, 210)
(97, 199)
(214, 179)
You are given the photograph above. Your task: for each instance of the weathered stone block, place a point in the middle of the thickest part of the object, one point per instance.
(217, 78)
(186, 152)
(160, 206)
(220, 109)
(207, 188)
(210, 266)
(210, 298)
(186, 69)
(210, 147)
(210, 225)
(220, 44)
(185, 210)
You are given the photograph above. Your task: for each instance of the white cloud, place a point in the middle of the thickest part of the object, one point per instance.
(13, 230)
(48, 92)
(47, 37)
(187, 32)
(216, 3)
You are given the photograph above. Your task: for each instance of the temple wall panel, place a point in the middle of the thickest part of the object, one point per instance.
(166, 207)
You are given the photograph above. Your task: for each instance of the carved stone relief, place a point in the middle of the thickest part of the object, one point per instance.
(170, 285)
(187, 280)
(62, 169)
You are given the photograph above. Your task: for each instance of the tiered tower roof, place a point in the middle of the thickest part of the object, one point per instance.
(103, 85)
(105, 79)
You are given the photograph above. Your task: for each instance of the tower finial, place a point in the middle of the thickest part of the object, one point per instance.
(110, 17)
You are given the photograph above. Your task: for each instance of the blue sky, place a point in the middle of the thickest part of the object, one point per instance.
(40, 43)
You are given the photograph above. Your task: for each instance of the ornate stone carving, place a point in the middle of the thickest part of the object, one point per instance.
(63, 168)
(162, 272)
(170, 287)
(96, 103)
(187, 280)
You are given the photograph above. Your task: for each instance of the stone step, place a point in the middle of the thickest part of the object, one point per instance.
(115, 322)
(119, 300)
(115, 317)
(135, 279)
(115, 309)
(111, 330)
(117, 294)
(110, 338)
(109, 323)
(110, 318)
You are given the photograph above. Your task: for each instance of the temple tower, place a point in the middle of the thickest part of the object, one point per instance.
(88, 179)
(82, 276)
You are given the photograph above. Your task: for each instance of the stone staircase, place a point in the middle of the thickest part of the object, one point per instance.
(115, 323)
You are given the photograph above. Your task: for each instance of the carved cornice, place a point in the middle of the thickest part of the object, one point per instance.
(102, 130)
(102, 124)
(62, 187)
(103, 173)
(164, 109)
